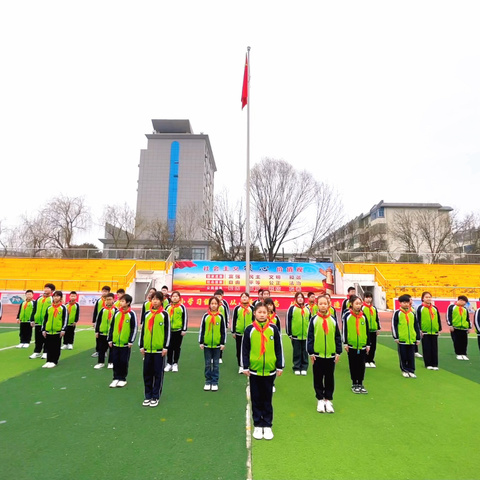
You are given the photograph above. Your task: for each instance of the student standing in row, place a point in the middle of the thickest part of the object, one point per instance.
(178, 324)
(312, 304)
(53, 329)
(73, 311)
(148, 302)
(241, 319)
(347, 303)
(298, 317)
(459, 322)
(262, 361)
(356, 339)
(40, 306)
(102, 328)
(324, 345)
(121, 336)
(406, 333)
(212, 338)
(153, 343)
(120, 293)
(373, 327)
(224, 309)
(477, 325)
(99, 304)
(23, 318)
(428, 319)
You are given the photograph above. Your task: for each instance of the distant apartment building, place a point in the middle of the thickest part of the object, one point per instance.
(175, 191)
(390, 227)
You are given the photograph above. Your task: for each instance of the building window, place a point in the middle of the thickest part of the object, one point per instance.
(198, 254)
(381, 212)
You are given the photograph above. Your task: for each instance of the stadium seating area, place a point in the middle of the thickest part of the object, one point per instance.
(81, 275)
(443, 281)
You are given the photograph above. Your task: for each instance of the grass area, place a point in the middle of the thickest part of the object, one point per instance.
(66, 422)
(404, 428)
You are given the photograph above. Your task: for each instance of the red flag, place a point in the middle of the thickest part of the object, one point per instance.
(245, 84)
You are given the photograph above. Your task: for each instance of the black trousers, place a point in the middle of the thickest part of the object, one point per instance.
(300, 355)
(406, 355)
(261, 393)
(52, 346)
(430, 350)
(69, 335)
(460, 341)
(370, 357)
(175, 347)
(323, 378)
(101, 347)
(153, 365)
(120, 357)
(356, 362)
(238, 342)
(39, 340)
(25, 332)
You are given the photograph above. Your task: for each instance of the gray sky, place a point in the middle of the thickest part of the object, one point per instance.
(379, 98)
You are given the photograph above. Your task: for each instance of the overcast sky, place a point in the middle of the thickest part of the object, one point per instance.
(379, 98)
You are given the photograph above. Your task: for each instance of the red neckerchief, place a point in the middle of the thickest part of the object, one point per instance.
(151, 320)
(325, 323)
(212, 318)
(56, 308)
(263, 338)
(301, 308)
(406, 314)
(25, 304)
(357, 320)
(460, 309)
(109, 310)
(430, 309)
(122, 318)
(271, 318)
(370, 308)
(173, 307)
(245, 309)
(69, 307)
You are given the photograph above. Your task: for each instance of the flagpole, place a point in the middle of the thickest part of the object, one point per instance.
(247, 223)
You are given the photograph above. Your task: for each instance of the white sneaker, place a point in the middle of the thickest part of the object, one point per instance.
(214, 388)
(430, 368)
(220, 361)
(297, 372)
(98, 366)
(368, 365)
(64, 347)
(267, 433)
(465, 357)
(418, 355)
(35, 355)
(257, 433)
(20, 345)
(26, 345)
(412, 375)
(168, 368)
(146, 403)
(94, 354)
(44, 356)
(405, 374)
(329, 406)
(459, 357)
(46, 365)
(435, 368)
(273, 389)
(240, 370)
(373, 365)
(110, 365)
(51, 365)
(175, 367)
(70, 346)
(114, 384)
(121, 383)
(207, 387)
(154, 402)
(303, 372)
(321, 406)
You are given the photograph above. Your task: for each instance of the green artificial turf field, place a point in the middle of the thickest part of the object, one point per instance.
(67, 423)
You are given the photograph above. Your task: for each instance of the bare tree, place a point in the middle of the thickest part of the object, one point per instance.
(227, 230)
(65, 217)
(36, 233)
(159, 231)
(467, 233)
(436, 232)
(404, 230)
(121, 225)
(280, 195)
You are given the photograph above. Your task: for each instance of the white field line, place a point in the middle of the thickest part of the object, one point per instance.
(248, 431)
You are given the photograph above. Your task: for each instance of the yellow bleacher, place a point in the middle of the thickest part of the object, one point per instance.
(66, 274)
(442, 280)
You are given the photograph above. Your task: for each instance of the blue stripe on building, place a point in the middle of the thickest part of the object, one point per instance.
(173, 187)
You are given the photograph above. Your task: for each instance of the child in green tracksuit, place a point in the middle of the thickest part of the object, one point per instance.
(40, 306)
(262, 361)
(298, 317)
(153, 343)
(406, 333)
(178, 324)
(458, 321)
(241, 319)
(212, 337)
(73, 310)
(23, 318)
(371, 313)
(102, 327)
(428, 319)
(324, 345)
(356, 339)
(53, 329)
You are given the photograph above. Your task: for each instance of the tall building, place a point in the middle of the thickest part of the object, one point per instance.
(175, 185)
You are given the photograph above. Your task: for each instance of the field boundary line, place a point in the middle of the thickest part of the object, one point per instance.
(248, 430)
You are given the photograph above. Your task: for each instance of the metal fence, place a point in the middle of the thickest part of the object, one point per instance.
(407, 257)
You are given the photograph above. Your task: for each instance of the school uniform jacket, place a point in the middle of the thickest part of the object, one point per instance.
(121, 337)
(477, 321)
(371, 313)
(73, 311)
(104, 320)
(178, 317)
(324, 344)
(271, 360)
(157, 338)
(99, 304)
(358, 340)
(275, 319)
(405, 327)
(25, 311)
(345, 305)
(297, 322)
(53, 324)
(40, 306)
(212, 334)
(429, 322)
(457, 320)
(242, 318)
